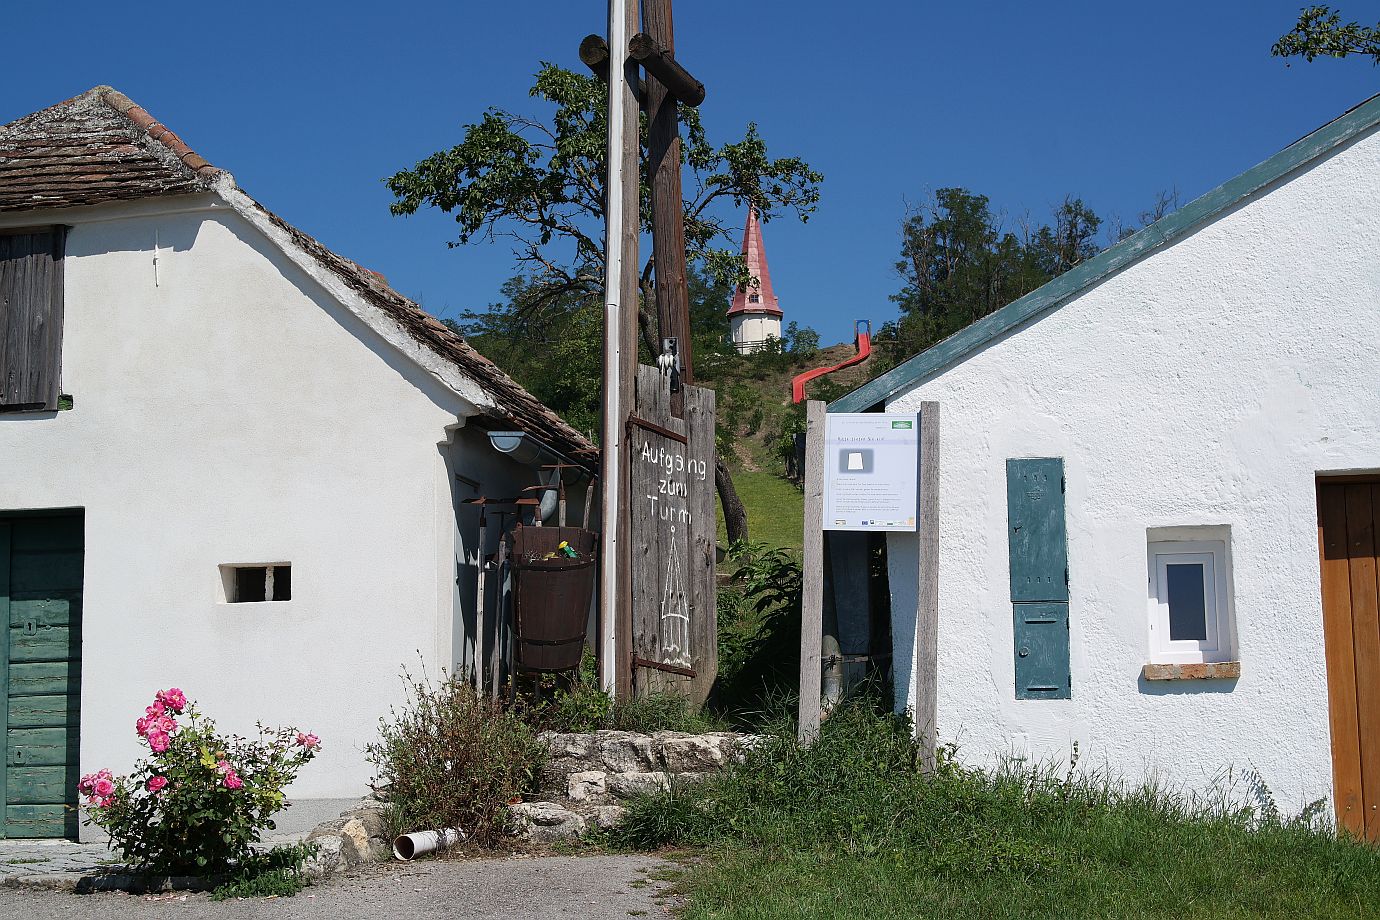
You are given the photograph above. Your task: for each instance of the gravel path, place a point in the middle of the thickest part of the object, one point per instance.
(567, 887)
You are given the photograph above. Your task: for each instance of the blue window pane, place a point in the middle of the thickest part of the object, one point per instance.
(1187, 606)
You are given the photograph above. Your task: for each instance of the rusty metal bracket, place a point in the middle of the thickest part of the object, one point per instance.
(634, 421)
(658, 666)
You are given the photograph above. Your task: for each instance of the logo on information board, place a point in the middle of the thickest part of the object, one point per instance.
(904, 425)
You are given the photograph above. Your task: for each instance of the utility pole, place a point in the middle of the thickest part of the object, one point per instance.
(656, 49)
(619, 61)
(620, 342)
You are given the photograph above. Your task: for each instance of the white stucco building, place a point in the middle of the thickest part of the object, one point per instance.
(230, 461)
(1192, 408)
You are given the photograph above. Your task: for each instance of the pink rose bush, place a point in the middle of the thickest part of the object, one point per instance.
(200, 799)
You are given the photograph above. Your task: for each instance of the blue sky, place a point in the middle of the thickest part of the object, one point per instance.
(310, 105)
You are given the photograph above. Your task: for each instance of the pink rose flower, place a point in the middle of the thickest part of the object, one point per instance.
(156, 711)
(173, 698)
(142, 726)
(158, 741)
(103, 787)
(223, 767)
(156, 783)
(233, 781)
(308, 741)
(167, 724)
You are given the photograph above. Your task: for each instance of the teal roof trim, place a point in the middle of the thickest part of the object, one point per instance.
(1073, 282)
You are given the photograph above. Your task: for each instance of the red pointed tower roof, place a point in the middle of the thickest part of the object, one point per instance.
(757, 298)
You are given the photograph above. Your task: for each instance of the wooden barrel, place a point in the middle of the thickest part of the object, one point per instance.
(552, 593)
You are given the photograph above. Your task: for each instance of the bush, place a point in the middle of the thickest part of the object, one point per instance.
(201, 799)
(453, 758)
(759, 632)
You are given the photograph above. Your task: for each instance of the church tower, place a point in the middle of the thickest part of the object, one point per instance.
(755, 315)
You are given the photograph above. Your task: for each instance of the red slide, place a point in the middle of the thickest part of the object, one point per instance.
(863, 341)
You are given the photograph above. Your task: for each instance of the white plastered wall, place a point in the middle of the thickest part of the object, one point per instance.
(234, 412)
(1204, 385)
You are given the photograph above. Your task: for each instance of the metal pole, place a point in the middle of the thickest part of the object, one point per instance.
(611, 574)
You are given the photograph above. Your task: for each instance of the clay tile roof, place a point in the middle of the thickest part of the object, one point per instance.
(100, 147)
(95, 148)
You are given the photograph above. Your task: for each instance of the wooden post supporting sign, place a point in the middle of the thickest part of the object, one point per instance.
(812, 571)
(925, 677)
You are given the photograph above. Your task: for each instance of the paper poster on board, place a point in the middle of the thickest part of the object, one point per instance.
(871, 471)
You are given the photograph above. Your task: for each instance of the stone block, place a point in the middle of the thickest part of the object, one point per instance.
(692, 753)
(629, 784)
(328, 857)
(626, 752)
(581, 786)
(606, 816)
(546, 822)
(581, 746)
(354, 843)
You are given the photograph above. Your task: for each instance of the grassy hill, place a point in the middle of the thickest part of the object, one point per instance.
(756, 418)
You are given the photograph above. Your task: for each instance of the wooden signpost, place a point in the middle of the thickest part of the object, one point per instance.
(923, 687)
(671, 464)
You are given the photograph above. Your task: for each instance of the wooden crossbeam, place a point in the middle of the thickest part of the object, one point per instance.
(594, 53)
(668, 71)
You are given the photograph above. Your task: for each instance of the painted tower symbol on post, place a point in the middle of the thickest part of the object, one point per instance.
(675, 612)
(755, 315)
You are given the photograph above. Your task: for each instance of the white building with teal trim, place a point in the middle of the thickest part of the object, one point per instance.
(1131, 463)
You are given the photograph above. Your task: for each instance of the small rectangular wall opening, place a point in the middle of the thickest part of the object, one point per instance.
(256, 582)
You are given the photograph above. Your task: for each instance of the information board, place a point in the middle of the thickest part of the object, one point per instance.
(871, 471)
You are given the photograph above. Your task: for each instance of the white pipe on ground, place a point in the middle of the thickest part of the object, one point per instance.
(410, 846)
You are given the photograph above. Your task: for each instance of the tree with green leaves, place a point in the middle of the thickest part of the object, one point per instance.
(1320, 32)
(958, 264)
(539, 185)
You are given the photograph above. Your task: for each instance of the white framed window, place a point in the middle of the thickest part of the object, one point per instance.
(1190, 617)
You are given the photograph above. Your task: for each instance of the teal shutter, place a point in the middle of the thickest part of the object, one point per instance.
(1038, 542)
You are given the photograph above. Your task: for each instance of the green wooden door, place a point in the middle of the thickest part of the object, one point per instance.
(40, 600)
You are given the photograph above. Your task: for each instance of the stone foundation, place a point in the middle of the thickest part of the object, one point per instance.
(589, 776)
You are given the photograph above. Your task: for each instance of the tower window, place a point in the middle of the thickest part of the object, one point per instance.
(754, 298)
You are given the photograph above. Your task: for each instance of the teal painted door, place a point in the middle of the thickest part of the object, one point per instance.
(40, 600)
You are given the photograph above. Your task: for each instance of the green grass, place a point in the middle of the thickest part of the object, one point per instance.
(775, 509)
(851, 828)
